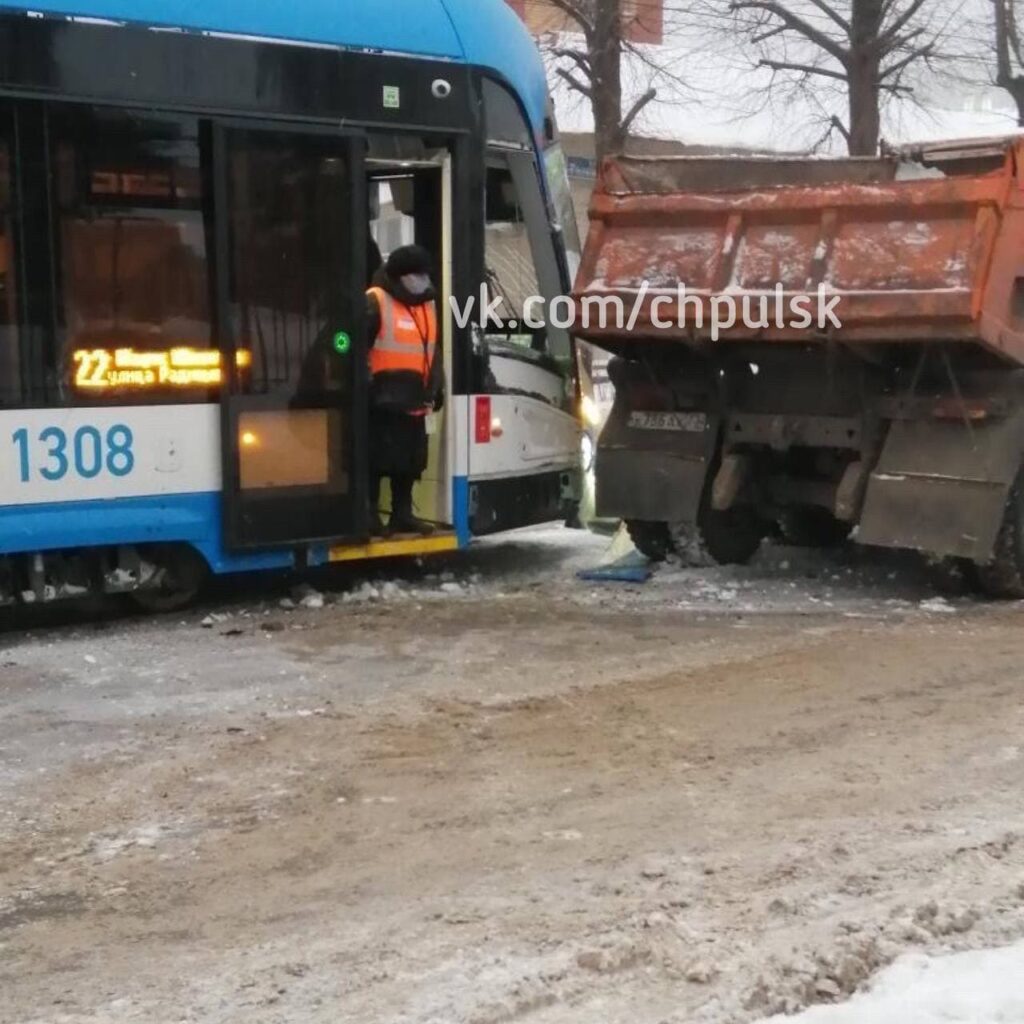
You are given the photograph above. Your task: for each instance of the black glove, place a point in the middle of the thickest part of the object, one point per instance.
(439, 400)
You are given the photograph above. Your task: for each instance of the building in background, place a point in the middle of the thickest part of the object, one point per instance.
(644, 24)
(644, 19)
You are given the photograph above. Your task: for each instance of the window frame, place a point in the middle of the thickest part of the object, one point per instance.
(61, 368)
(13, 397)
(509, 143)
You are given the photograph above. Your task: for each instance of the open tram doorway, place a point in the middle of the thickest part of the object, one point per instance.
(409, 195)
(303, 220)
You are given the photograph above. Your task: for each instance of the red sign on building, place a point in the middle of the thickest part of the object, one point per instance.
(643, 20)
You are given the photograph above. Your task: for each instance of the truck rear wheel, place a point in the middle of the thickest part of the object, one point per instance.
(732, 537)
(1003, 577)
(813, 527)
(956, 577)
(652, 540)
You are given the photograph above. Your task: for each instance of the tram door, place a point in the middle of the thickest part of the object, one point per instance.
(292, 241)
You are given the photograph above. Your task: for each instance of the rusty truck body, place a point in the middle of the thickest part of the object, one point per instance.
(901, 416)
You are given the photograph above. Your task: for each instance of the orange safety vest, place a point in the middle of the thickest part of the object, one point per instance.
(407, 339)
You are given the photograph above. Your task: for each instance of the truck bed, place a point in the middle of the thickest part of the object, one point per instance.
(924, 244)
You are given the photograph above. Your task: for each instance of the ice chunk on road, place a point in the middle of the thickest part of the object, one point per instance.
(307, 596)
(369, 592)
(363, 593)
(980, 987)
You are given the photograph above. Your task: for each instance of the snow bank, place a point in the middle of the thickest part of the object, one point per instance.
(982, 987)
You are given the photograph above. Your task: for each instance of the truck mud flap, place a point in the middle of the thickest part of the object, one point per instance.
(658, 471)
(941, 486)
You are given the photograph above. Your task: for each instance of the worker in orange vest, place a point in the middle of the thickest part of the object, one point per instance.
(407, 382)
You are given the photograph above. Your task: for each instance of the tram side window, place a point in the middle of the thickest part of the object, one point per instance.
(392, 224)
(509, 269)
(290, 257)
(10, 362)
(134, 270)
(521, 267)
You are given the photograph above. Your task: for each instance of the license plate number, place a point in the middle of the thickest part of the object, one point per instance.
(685, 422)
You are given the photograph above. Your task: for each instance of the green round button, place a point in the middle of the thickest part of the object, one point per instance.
(342, 343)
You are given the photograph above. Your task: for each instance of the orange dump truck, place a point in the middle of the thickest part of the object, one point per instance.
(815, 346)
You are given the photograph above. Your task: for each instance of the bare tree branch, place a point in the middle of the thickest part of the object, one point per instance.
(805, 69)
(574, 83)
(871, 49)
(796, 23)
(902, 65)
(579, 11)
(659, 69)
(907, 15)
(770, 34)
(598, 68)
(840, 127)
(578, 57)
(634, 111)
(831, 12)
(900, 42)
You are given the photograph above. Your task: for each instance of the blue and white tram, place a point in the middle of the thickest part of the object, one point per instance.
(189, 200)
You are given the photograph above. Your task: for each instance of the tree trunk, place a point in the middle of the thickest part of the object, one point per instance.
(1008, 54)
(864, 73)
(606, 60)
(1015, 87)
(865, 102)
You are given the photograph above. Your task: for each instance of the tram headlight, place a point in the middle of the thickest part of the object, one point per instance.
(590, 412)
(249, 439)
(587, 453)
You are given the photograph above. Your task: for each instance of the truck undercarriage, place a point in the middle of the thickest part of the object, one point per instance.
(814, 446)
(902, 426)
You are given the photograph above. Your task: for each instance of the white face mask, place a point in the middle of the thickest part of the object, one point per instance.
(416, 284)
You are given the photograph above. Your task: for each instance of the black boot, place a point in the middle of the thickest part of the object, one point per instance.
(402, 519)
(377, 527)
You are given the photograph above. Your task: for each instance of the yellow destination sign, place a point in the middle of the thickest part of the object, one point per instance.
(101, 369)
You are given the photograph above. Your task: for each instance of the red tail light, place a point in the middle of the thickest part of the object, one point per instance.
(483, 420)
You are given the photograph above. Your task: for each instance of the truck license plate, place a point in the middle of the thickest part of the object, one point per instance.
(687, 422)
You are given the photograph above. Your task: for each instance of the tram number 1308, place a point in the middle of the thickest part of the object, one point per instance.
(87, 453)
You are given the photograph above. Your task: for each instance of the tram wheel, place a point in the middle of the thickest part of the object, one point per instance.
(183, 573)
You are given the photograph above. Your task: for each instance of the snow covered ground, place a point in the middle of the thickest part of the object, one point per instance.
(978, 987)
(480, 790)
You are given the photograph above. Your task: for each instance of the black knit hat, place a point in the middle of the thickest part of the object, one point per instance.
(410, 259)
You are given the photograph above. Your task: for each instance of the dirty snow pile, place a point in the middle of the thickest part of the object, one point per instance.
(432, 587)
(981, 987)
